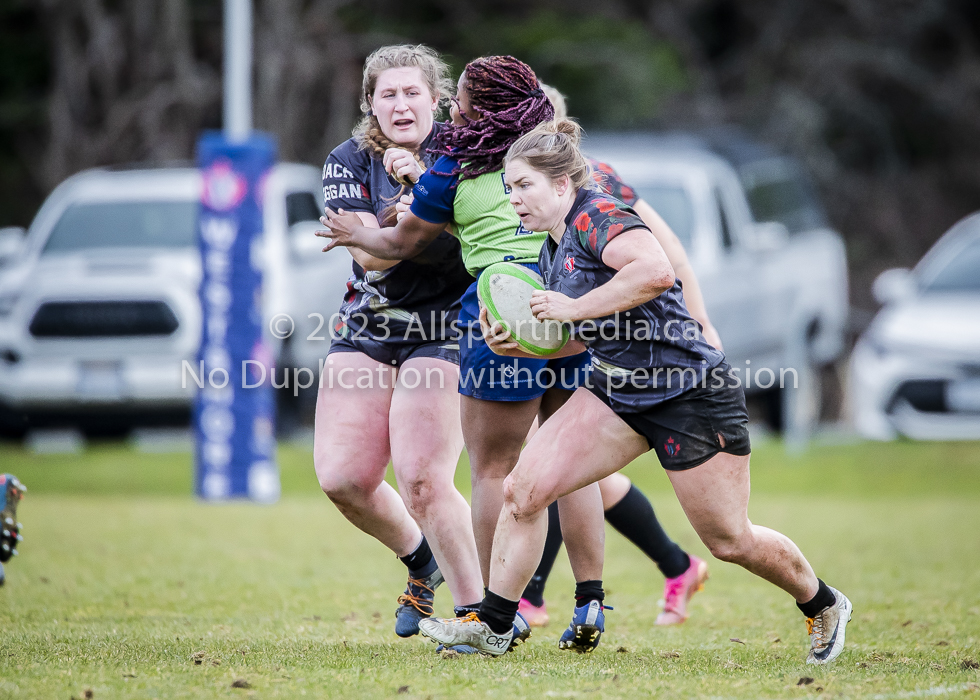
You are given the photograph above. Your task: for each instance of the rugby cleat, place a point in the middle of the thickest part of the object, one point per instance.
(11, 491)
(679, 590)
(470, 631)
(459, 649)
(415, 603)
(536, 615)
(826, 630)
(522, 630)
(588, 624)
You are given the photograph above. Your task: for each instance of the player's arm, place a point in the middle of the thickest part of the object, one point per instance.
(677, 256)
(364, 259)
(405, 240)
(643, 273)
(501, 342)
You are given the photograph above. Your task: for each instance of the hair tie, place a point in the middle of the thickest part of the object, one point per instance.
(536, 92)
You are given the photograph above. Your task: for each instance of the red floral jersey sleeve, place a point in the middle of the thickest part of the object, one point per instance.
(601, 219)
(610, 183)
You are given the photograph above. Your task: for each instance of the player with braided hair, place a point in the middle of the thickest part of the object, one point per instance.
(498, 100)
(506, 101)
(385, 333)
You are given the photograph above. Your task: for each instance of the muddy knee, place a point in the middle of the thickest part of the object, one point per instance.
(521, 501)
(419, 494)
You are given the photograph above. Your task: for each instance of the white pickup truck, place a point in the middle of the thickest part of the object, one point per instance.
(99, 300)
(776, 290)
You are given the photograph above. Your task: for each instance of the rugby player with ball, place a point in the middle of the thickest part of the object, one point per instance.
(599, 263)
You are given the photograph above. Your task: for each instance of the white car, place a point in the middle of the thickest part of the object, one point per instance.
(916, 370)
(778, 297)
(99, 301)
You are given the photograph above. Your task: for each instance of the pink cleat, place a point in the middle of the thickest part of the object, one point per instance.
(536, 616)
(679, 590)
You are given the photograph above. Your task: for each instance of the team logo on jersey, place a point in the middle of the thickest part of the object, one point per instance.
(507, 189)
(671, 447)
(223, 187)
(345, 190)
(521, 231)
(569, 263)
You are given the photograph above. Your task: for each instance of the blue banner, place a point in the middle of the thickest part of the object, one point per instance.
(235, 447)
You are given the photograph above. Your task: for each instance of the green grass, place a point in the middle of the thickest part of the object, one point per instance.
(124, 578)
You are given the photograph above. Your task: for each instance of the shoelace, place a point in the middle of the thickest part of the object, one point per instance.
(815, 623)
(416, 601)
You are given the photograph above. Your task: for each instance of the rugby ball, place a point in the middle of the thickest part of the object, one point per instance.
(505, 289)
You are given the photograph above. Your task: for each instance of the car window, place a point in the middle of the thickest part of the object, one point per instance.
(961, 274)
(302, 206)
(125, 225)
(786, 201)
(777, 189)
(674, 206)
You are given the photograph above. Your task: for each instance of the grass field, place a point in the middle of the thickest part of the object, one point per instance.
(129, 588)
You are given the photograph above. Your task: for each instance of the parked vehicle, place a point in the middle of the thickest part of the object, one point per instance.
(99, 300)
(775, 287)
(915, 372)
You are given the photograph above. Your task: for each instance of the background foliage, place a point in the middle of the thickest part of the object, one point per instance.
(881, 100)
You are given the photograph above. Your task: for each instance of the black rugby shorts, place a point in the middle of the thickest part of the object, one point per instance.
(690, 429)
(396, 354)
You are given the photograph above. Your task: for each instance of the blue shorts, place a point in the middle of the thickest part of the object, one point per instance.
(485, 375)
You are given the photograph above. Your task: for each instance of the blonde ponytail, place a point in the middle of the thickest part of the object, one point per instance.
(553, 149)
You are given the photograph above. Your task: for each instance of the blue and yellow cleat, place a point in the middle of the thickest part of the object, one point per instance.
(588, 624)
(522, 631)
(415, 604)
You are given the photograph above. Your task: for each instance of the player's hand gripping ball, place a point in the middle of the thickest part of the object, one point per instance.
(505, 289)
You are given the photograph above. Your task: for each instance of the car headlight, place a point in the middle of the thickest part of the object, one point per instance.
(7, 303)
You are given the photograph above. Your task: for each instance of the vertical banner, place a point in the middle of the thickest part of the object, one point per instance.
(234, 417)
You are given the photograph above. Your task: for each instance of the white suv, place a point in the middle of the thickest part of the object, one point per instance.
(774, 278)
(99, 302)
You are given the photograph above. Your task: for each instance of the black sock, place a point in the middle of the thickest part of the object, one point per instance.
(587, 591)
(633, 517)
(464, 610)
(823, 599)
(534, 593)
(420, 562)
(498, 612)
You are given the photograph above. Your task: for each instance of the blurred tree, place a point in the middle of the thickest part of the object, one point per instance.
(24, 76)
(880, 99)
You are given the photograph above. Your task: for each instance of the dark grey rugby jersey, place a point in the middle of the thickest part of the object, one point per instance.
(643, 356)
(381, 305)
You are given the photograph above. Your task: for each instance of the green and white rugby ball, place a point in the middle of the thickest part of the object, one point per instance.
(505, 289)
